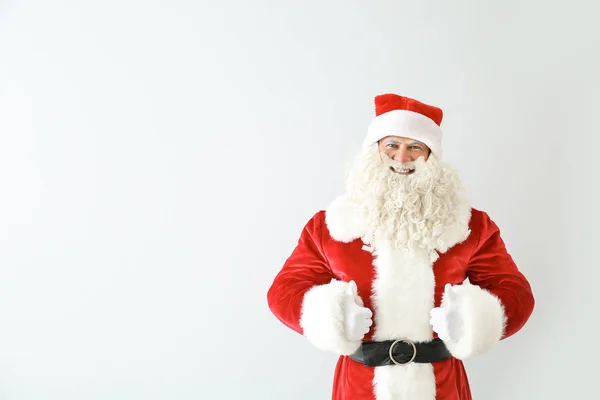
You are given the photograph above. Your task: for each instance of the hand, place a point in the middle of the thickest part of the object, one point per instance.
(357, 319)
(446, 321)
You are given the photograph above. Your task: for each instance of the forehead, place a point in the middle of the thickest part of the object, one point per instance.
(399, 139)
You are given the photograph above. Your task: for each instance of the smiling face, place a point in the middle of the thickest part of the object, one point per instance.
(411, 207)
(403, 150)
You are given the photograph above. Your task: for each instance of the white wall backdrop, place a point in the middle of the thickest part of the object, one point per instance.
(158, 160)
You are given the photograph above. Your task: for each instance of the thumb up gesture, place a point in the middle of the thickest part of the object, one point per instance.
(357, 319)
(446, 321)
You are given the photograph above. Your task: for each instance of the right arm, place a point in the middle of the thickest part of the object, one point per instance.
(306, 297)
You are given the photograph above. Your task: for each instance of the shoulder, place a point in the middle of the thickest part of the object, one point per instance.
(314, 225)
(481, 220)
(325, 226)
(318, 218)
(345, 219)
(483, 228)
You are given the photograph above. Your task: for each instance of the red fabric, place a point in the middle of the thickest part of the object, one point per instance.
(318, 258)
(389, 101)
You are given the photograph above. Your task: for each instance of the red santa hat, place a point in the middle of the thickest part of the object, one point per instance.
(402, 116)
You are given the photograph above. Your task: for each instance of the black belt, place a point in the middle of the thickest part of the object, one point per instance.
(400, 352)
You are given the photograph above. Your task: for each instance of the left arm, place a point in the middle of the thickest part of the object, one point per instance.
(498, 301)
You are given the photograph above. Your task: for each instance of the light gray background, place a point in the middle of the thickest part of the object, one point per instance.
(158, 160)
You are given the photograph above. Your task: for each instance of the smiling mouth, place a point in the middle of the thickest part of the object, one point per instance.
(404, 171)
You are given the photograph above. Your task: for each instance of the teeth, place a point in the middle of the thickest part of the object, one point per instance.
(402, 170)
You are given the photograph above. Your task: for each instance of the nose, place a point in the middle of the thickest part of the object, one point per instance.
(402, 156)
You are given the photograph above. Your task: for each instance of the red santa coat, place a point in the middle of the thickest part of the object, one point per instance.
(401, 289)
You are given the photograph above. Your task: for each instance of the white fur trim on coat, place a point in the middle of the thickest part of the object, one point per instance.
(403, 294)
(345, 220)
(322, 318)
(483, 318)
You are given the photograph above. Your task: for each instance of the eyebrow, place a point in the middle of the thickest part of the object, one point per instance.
(392, 140)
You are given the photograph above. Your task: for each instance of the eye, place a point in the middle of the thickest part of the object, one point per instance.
(416, 147)
(392, 145)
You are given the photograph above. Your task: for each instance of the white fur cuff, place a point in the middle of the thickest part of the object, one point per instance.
(483, 320)
(322, 318)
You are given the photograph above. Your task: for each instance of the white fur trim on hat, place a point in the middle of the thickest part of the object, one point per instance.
(407, 124)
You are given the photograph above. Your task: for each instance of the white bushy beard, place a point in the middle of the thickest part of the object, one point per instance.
(417, 211)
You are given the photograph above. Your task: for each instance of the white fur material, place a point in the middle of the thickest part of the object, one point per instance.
(403, 291)
(343, 218)
(483, 318)
(322, 318)
(407, 124)
(405, 382)
(346, 222)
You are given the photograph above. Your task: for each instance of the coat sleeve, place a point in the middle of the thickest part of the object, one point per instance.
(306, 297)
(497, 301)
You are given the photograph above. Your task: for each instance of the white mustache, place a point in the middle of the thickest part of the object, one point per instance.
(398, 166)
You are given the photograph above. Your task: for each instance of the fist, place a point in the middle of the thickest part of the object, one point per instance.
(357, 319)
(446, 321)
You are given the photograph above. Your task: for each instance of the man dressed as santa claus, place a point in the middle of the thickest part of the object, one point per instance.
(400, 276)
